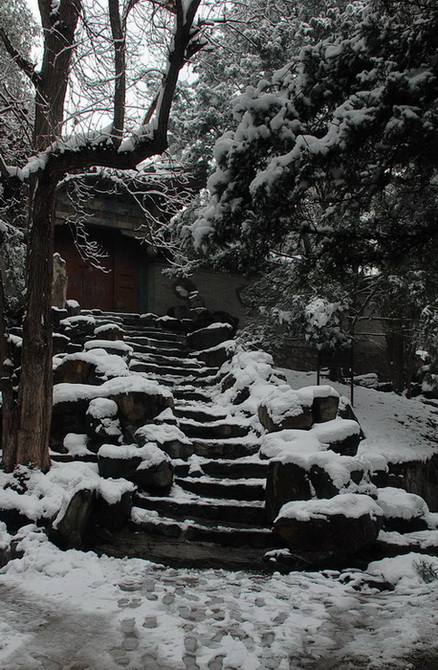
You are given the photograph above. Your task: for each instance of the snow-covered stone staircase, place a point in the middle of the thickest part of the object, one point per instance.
(214, 514)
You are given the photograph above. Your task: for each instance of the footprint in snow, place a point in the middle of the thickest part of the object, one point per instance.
(129, 602)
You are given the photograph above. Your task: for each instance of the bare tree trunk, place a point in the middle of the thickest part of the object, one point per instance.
(8, 396)
(36, 379)
(51, 83)
(401, 358)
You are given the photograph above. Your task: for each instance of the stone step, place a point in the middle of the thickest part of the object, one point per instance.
(225, 468)
(176, 371)
(173, 352)
(234, 447)
(177, 553)
(219, 429)
(192, 531)
(109, 314)
(154, 335)
(228, 489)
(198, 412)
(133, 322)
(69, 458)
(160, 358)
(186, 505)
(99, 315)
(189, 393)
(180, 386)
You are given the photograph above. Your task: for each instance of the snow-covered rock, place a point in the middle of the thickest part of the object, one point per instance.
(103, 424)
(168, 437)
(208, 337)
(301, 468)
(109, 331)
(402, 512)
(89, 367)
(343, 524)
(148, 467)
(138, 401)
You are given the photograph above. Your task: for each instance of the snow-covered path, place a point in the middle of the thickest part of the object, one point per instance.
(76, 611)
(46, 633)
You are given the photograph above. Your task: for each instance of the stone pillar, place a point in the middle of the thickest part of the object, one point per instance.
(60, 280)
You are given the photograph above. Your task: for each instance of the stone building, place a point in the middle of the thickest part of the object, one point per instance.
(131, 277)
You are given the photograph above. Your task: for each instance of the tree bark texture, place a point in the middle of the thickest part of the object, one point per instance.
(59, 28)
(401, 357)
(34, 404)
(9, 433)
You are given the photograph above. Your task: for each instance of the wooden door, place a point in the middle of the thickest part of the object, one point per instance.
(127, 276)
(116, 289)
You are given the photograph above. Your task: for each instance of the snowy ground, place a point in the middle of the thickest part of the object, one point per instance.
(396, 428)
(71, 610)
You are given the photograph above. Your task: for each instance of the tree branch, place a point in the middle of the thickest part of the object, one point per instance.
(120, 71)
(25, 66)
(3, 167)
(177, 59)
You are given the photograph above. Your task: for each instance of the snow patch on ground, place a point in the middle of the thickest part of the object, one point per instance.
(80, 610)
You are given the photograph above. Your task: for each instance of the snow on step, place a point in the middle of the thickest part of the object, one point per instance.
(160, 357)
(241, 489)
(139, 365)
(199, 411)
(233, 447)
(182, 504)
(247, 467)
(221, 428)
(188, 530)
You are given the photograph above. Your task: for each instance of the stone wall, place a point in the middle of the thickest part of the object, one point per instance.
(370, 356)
(220, 291)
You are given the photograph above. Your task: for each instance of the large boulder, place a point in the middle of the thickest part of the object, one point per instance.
(208, 337)
(325, 403)
(148, 467)
(111, 513)
(168, 437)
(103, 424)
(285, 482)
(138, 401)
(115, 347)
(68, 416)
(419, 476)
(343, 524)
(341, 435)
(218, 355)
(74, 369)
(286, 408)
(283, 409)
(5, 545)
(77, 328)
(91, 367)
(402, 512)
(90, 509)
(109, 331)
(69, 529)
(429, 386)
(301, 467)
(60, 343)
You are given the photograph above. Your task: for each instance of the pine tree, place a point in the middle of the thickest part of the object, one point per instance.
(334, 162)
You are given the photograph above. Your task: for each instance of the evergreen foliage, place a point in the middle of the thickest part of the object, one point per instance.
(333, 162)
